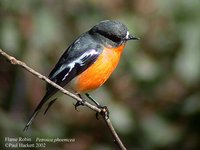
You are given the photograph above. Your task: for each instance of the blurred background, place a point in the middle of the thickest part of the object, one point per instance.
(153, 96)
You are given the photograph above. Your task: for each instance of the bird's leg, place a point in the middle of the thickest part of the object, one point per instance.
(104, 110)
(79, 103)
(93, 100)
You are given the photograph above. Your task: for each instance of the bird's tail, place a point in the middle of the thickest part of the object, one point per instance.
(36, 111)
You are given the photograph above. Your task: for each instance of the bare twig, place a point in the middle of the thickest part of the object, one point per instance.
(117, 140)
(103, 112)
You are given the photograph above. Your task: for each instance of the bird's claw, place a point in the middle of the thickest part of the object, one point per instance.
(79, 103)
(104, 112)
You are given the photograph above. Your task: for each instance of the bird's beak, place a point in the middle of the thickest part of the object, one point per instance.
(131, 37)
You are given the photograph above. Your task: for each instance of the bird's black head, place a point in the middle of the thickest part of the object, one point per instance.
(112, 32)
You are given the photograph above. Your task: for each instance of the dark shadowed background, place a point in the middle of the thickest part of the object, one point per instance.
(153, 96)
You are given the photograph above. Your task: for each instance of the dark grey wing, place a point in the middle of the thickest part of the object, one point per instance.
(64, 73)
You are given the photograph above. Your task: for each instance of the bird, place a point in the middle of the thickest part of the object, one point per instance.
(87, 63)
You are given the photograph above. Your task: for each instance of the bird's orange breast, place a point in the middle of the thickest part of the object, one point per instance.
(98, 72)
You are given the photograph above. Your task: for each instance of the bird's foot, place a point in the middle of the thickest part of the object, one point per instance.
(104, 109)
(79, 103)
(104, 112)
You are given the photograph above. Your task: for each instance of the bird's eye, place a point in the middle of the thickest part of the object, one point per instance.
(112, 37)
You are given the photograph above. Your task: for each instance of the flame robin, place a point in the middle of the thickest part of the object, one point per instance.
(88, 62)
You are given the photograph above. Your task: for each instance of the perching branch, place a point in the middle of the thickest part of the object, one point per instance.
(103, 112)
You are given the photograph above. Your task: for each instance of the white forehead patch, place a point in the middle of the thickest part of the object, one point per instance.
(127, 35)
